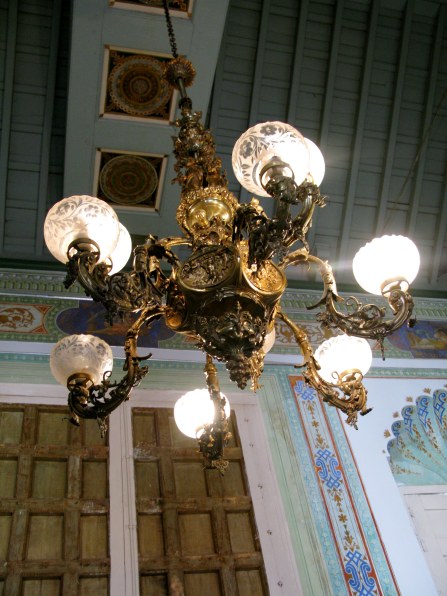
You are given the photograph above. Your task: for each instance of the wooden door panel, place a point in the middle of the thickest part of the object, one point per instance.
(54, 504)
(196, 529)
(49, 479)
(150, 536)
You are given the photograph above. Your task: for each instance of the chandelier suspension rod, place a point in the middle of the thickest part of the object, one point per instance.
(170, 28)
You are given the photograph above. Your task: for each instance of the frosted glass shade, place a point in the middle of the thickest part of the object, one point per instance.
(80, 217)
(269, 341)
(343, 353)
(195, 409)
(81, 354)
(121, 253)
(384, 260)
(316, 163)
(263, 142)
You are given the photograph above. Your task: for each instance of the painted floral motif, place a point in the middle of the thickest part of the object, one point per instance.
(418, 451)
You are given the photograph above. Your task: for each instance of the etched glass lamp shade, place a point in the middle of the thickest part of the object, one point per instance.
(121, 253)
(195, 409)
(384, 261)
(264, 145)
(316, 163)
(81, 354)
(341, 355)
(79, 218)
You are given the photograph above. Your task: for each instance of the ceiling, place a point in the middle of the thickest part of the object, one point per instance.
(366, 80)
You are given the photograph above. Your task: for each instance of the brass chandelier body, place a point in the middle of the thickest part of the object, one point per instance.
(226, 295)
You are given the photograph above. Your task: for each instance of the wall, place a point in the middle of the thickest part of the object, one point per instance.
(347, 523)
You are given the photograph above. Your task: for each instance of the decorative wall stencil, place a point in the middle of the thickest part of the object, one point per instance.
(315, 333)
(418, 451)
(428, 339)
(89, 317)
(46, 287)
(136, 86)
(129, 180)
(29, 318)
(23, 319)
(347, 529)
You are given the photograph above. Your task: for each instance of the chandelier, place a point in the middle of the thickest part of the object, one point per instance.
(225, 296)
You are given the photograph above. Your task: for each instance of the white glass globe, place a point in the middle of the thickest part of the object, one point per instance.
(342, 353)
(80, 217)
(263, 142)
(384, 260)
(121, 253)
(81, 354)
(269, 341)
(316, 163)
(195, 409)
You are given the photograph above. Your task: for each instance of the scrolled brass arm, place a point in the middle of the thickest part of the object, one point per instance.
(361, 320)
(89, 401)
(124, 291)
(215, 436)
(348, 394)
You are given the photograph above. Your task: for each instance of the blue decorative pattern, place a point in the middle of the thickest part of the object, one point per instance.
(351, 532)
(407, 415)
(439, 400)
(423, 410)
(418, 451)
(305, 392)
(328, 468)
(359, 569)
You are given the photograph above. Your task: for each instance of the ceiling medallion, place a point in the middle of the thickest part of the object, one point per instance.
(137, 86)
(128, 179)
(225, 296)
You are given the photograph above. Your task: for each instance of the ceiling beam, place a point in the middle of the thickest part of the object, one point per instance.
(328, 99)
(257, 77)
(440, 234)
(297, 62)
(348, 204)
(429, 119)
(259, 64)
(47, 128)
(394, 125)
(5, 137)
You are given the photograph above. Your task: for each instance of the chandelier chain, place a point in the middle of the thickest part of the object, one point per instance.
(170, 28)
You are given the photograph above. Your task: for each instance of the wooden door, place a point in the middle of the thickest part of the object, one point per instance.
(196, 529)
(54, 504)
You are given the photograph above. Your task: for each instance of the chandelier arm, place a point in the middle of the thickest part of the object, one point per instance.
(89, 401)
(362, 320)
(271, 237)
(354, 398)
(215, 436)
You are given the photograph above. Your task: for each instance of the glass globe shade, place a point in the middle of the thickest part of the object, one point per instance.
(121, 253)
(343, 353)
(80, 217)
(384, 260)
(269, 341)
(81, 354)
(263, 142)
(316, 163)
(195, 409)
